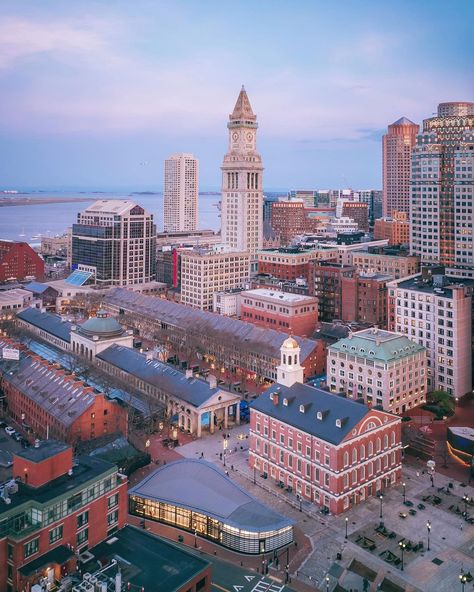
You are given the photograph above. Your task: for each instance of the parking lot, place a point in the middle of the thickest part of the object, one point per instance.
(7, 446)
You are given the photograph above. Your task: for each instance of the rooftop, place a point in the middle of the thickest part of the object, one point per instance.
(446, 291)
(44, 450)
(101, 325)
(51, 323)
(85, 469)
(266, 342)
(202, 487)
(287, 297)
(148, 561)
(192, 390)
(37, 287)
(299, 405)
(377, 344)
(15, 294)
(115, 207)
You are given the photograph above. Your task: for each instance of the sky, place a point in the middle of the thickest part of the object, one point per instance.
(96, 94)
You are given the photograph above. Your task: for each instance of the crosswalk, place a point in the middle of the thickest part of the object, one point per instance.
(267, 586)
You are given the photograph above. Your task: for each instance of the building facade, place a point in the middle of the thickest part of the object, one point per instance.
(364, 298)
(325, 283)
(227, 303)
(326, 449)
(396, 229)
(181, 193)
(291, 263)
(18, 261)
(15, 300)
(397, 265)
(291, 313)
(115, 240)
(397, 145)
(442, 198)
(437, 312)
(288, 219)
(204, 273)
(57, 509)
(382, 368)
(358, 211)
(242, 181)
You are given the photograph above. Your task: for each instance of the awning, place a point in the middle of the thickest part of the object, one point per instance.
(56, 556)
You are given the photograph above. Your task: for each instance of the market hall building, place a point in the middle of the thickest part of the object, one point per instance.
(198, 497)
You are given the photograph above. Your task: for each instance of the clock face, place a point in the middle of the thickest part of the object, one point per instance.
(249, 137)
(235, 136)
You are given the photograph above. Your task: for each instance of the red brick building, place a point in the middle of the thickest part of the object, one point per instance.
(49, 402)
(291, 313)
(396, 229)
(290, 263)
(18, 261)
(58, 507)
(288, 219)
(364, 298)
(358, 211)
(327, 449)
(325, 283)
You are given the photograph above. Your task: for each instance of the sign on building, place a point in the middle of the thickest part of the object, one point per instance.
(9, 353)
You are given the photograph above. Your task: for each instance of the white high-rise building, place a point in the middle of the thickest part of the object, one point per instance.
(181, 190)
(242, 171)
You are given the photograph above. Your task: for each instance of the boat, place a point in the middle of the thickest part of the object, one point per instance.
(36, 236)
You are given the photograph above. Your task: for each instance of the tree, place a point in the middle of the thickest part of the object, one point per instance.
(444, 401)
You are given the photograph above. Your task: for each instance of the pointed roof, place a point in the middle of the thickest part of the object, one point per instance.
(242, 109)
(403, 121)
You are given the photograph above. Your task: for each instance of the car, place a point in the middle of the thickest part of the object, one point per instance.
(3, 424)
(17, 436)
(9, 430)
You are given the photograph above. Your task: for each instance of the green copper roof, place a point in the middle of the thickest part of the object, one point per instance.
(377, 344)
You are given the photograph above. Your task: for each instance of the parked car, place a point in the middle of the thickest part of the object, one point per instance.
(9, 430)
(17, 436)
(3, 424)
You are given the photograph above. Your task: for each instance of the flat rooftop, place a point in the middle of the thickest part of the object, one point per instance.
(45, 449)
(15, 294)
(287, 297)
(416, 283)
(147, 561)
(50, 323)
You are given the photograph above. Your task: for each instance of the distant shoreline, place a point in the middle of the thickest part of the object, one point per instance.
(36, 201)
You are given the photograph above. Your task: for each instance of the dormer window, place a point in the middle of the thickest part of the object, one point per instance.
(338, 423)
(285, 402)
(301, 408)
(319, 415)
(372, 353)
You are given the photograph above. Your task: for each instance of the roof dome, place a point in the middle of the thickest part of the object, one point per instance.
(101, 325)
(290, 343)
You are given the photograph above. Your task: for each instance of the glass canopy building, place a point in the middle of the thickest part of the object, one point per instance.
(196, 496)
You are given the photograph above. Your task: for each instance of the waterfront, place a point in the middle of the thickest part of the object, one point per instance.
(51, 219)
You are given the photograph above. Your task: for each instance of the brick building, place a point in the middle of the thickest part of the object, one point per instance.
(50, 402)
(358, 211)
(383, 368)
(288, 219)
(18, 261)
(278, 310)
(396, 229)
(396, 264)
(292, 262)
(364, 298)
(325, 283)
(58, 508)
(329, 450)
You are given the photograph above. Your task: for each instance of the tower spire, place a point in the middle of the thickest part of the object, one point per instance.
(243, 109)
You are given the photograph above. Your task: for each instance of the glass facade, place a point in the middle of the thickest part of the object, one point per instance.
(251, 542)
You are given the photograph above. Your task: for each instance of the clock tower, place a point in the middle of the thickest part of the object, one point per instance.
(242, 197)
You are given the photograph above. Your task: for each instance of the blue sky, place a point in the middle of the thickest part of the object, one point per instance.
(91, 90)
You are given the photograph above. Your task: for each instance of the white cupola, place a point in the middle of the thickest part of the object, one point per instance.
(290, 371)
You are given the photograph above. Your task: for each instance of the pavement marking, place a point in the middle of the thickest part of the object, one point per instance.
(249, 578)
(220, 587)
(238, 588)
(264, 586)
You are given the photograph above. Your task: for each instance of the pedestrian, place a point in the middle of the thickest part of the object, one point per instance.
(461, 526)
(202, 454)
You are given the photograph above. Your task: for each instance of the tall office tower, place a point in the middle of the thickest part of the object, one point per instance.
(181, 190)
(115, 241)
(442, 190)
(396, 154)
(242, 171)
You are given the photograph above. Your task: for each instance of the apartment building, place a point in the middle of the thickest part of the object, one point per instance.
(381, 367)
(397, 265)
(437, 312)
(291, 263)
(181, 193)
(204, 273)
(395, 229)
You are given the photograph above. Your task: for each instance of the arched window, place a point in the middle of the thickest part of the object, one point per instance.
(284, 358)
(354, 455)
(346, 458)
(393, 438)
(346, 480)
(385, 441)
(379, 445)
(371, 448)
(378, 465)
(354, 477)
(362, 451)
(289, 360)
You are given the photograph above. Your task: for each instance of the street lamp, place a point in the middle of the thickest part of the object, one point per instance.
(404, 492)
(225, 444)
(298, 497)
(462, 579)
(327, 583)
(428, 528)
(381, 505)
(195, 538)
(465, 499)
(402, 547)
(347, 520)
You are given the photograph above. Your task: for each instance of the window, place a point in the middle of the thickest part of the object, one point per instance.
(56, 534)
(82, 536)
(371, 448)
(346, 458)
(354, 455)
(82, 519)
(31, 548)
(112, 518)
(112, 501)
